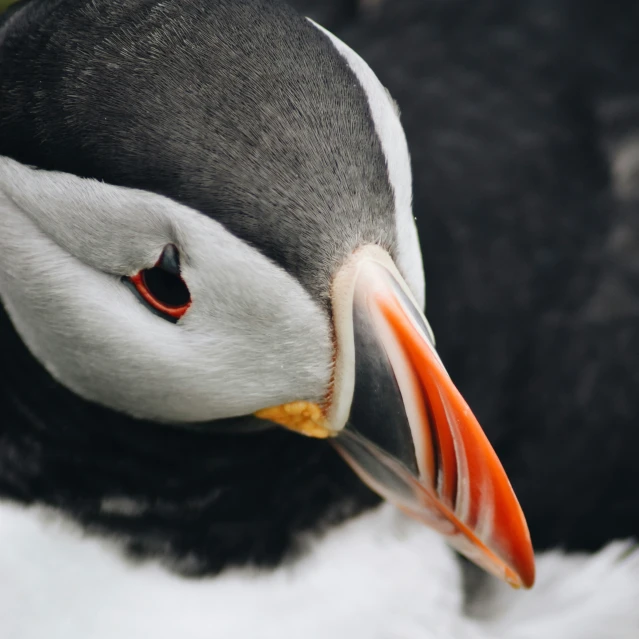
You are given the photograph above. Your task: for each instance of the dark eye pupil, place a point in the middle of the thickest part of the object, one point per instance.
(166, 288)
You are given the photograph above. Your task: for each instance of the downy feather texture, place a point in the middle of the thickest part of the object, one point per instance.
(378, 576)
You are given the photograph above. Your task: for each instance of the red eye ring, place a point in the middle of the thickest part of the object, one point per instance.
(141, 284)
(162, 288)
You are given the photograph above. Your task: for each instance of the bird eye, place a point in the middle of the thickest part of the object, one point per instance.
(162, 287)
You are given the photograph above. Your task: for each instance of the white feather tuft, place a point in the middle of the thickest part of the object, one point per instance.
(378, 576)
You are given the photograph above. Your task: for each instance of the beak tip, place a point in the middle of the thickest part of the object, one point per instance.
(520, 568)
(523, 578)
(526, 570)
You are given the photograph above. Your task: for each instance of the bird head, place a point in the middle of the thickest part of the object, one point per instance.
(207, 222)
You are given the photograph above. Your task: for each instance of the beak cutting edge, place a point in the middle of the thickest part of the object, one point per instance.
(396, 417)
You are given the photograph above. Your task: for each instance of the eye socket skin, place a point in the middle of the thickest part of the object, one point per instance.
(162, 288)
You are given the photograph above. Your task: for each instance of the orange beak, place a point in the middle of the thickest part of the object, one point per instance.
(398, 420)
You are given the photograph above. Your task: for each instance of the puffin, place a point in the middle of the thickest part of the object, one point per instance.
(212, 314)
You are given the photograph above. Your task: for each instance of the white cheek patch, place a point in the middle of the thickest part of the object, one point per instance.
(393, 143)
(113, 230)
(252, 337)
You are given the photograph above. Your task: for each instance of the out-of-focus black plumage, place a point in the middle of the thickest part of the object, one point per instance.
(520, 118)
